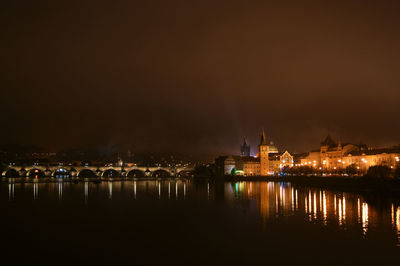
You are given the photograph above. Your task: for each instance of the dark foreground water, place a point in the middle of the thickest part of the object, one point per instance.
(195, 223)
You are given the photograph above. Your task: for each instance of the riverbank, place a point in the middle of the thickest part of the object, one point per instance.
(349, 184)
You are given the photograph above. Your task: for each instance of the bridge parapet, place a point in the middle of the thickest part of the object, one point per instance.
(75, 171)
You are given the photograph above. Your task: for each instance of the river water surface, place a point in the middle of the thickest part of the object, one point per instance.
(186, 222)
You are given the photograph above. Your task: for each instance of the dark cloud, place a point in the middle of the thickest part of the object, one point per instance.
(196, 76)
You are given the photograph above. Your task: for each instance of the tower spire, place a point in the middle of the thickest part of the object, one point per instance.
(263, 140)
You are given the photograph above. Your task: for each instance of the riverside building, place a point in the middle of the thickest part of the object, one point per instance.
(268, 161)
(332, 156)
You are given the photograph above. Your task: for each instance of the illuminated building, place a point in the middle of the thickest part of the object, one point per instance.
(278, 161)
(263, 155)
(268, 161)
(251, 166)
(229, 165)
(334, 156)
(331, 157)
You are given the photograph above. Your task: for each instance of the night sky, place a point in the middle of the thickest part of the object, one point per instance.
(197, 76)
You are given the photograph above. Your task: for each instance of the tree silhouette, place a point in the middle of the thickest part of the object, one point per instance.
(351, 169)
(379, 171)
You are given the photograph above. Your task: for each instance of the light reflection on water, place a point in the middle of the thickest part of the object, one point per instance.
(316, 204)
(329, 208)
(274, 200)
(395, 213)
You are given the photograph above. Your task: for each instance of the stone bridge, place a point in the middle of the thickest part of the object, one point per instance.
(95, 171)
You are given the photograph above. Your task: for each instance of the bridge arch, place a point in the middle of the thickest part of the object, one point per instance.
(22, 172)
(73, 172)
(11, 173)
(61, 173)
(111, 173)
(161, 173)
(48, 172)
(86, 173)
(135, 173)
(185, 173)
(36, 173)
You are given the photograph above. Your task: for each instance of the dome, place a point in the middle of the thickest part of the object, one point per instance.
(272, 148)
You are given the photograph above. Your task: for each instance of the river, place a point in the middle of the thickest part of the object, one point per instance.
(187, 222)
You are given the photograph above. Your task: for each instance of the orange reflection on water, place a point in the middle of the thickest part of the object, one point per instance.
(317, 205)
(395, 212)
(340, 212)
(334, 200)
(398, 225)
(344, 208)
(364, 218)
(293, 205)
(358, 210)
(324, 208)
(274, 200)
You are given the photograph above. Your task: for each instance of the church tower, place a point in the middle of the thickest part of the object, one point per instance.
(245, 149)
(264, 158)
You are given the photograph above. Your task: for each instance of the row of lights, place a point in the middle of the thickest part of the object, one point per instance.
(339, 161)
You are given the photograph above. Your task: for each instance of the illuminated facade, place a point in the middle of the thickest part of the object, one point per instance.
(279, 161)
(264, 155)
(269, 161)
(335, 156)
(330, 157)
(229, 165)
(251, 167)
